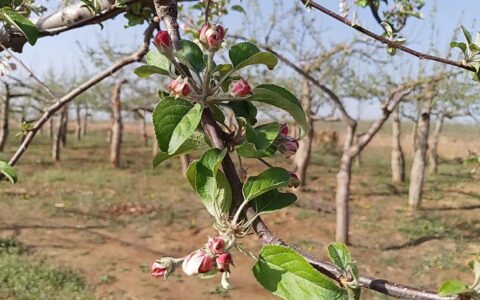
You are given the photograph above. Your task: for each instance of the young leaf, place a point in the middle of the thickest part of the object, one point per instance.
(452, 287)
(209, 183)
(191, 55)
(259, 141)
(268, 180)
(273, 200)
(8, 171)
(244, 109)
(246, 53)
(22, 23)
(466, 33)
(281, 98)
(147, 71)
(196, 142)
(155, 58)
(174, 121)
(339, 255)
(288, 275)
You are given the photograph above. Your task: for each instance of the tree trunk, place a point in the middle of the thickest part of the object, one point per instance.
(85, 121)
(417, 173)
(433, 151)
(64, 124)
(78, 124)
(185, 161)
(302, 157)
(57, 136)
(358, 158)
(144, 130)
(344, 177)
(117, 125)
(5, 114)
(51, 127)
(398, 158)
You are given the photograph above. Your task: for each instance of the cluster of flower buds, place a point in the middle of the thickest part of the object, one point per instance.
(241, 88)
(213, 257)
(286, 144)
(211, 36)
(163, 42)
(180, 87)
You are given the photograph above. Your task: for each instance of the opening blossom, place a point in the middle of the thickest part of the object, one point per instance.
(241, 88)
(180, 87)
(197, 262)
(287, 145)
(211, 36)
(158, 270)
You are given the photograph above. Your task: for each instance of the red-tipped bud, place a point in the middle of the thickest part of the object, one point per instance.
(241, 88)
(158, 270)
(284, 130)
(197, 262)
(163, 42)
(216, 245)
(180, 87)
(223, 262)
(294, 180)
(211, 36)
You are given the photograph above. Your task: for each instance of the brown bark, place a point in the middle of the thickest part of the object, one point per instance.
(433, 151)
(302, 157)
(57, 125)
(64, 126)
(5, 114)
(117, 125)
(78, 123)
(144, 130)
(85, 121)
(417, 173)
(398, 158)
(344, 177)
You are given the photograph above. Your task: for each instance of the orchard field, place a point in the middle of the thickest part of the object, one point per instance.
(104, 225)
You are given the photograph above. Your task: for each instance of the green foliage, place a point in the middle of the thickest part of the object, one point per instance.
(174, 121)
(288, 275)
(8, 171)
(340, 256)
(456, 287)
(191, 55)
(22, 23)
(246, 54)
(470, 50)
(156, 64)
(244, 109)
(452, 287)
(196, 142)
(210, 183)
(268, 180)
(281, 98)
(259, 141)
(273, 200)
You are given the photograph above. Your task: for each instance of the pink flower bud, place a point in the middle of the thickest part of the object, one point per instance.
(211, 36)
(197, 262)
(159, 270)
(163, 42)
(216, 245)
(284, 130)
(241, 88)
(294, 180)
(179, 87)
(223, 262)
(288, 147)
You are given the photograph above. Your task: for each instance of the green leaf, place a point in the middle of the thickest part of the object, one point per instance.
(461, 46)
(191, 55)
(174, 121)
(268, 180)
(222, 69)
(259, 141)
(339, 255)
(155, 58)
(8, 171)
(196, 142)
(22, 23)
(239, 9)
(452, 287)
(362, 3)
(273, 200)
(466, 33)
(281, 98)
(147, 71)
(244, 109)
(288, 275)
(210, 183)
(246, 53)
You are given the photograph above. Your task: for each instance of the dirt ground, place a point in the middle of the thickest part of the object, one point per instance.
(110, 224)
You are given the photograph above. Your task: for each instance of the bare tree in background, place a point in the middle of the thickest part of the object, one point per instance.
(117, 125)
